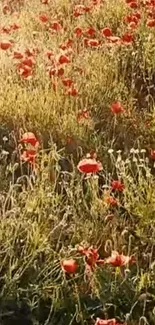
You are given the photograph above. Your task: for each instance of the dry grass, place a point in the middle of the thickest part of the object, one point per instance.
(39, 226)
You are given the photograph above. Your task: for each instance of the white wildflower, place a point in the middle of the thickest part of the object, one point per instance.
(110, 151)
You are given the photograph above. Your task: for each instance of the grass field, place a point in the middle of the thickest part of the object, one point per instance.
(77, 162)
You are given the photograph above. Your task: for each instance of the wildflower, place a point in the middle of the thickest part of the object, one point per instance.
(152, 154)
(117, 108)
(5, 45)
(133, 25)
(132, 18)
(29, 138)
(30, 53)
(63, 59)
(112, 321)
(90, 31)
(80, 10)
(56, 26)
(143, 151)
(67, 82)
(14, 26)
(100, 321)
(6, 10)
(72, 92)
(17, 55)
(43, 18)
(28, 156)
(110, 151)
(106, 32)
(69, 266)
(127, 38)
(25, 71)
(89, 165)
(78, 31)
(91, 42)
(111, 201)
(6, 30)
(117, 185)
(83, 115)
(132, 150)
(49, 54)
(67, 44)
(117, 259)
(150, 23)
(28, 62)
(56, 72)
(133, 5)
(91, 256)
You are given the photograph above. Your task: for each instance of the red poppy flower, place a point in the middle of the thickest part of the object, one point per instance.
(29, 156)
(111, 201)
(78, 31)
(80, 10)
(132, 18)
(72, 92)
(137, 14)
(66, 45)
(14, 26)
(118, 186)
(133, 5)
(117, 108)
(89, 165)
(17, 55)
(6, 30)
(56, 72)
(117, 259)
(91, 256)
(56, 26)
(29, 52)
(63, 59)
(28, 62)
(49, 54)
(67, 82)
(69, 266)
(150, 23)
(127, 38)
(6, 10)
(112, 321)
(29, 138)
(25, 72)
(152, 154)
(90, 32)
(43, 18)
(83, 115)
(100, 321)
(91, 42)
(5, 45)
(133, 25)
(107, 32)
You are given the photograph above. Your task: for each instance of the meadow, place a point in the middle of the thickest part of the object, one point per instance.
(77, 162)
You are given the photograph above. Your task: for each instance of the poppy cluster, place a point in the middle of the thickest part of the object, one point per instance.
(92, 259)
(112, 321)
(31, 145)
